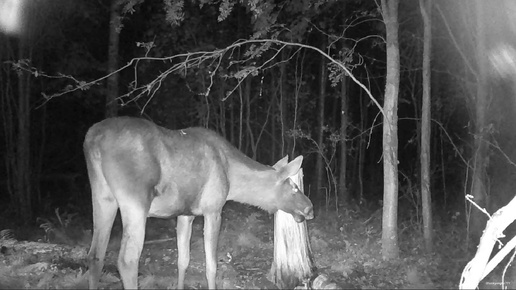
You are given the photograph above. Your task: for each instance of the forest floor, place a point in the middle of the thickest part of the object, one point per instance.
(346, 248)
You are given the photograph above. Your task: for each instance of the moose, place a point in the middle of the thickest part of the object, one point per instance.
(149, 171)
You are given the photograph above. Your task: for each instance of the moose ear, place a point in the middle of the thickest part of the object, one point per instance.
(282, 162)
(292, 168)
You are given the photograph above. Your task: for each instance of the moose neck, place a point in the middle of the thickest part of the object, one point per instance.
(252, 183)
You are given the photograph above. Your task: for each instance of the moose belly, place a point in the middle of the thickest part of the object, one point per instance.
(169, 201)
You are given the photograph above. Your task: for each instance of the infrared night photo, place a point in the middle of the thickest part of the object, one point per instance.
(195, 144)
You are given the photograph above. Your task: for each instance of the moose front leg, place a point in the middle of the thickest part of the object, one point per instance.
(184, 233)
(211, 235)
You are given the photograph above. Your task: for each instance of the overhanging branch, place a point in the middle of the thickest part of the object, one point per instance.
(185, 61)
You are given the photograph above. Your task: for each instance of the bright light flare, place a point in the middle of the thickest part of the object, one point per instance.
(503, 60)
(10, 16)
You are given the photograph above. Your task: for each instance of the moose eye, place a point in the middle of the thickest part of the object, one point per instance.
(295, 189)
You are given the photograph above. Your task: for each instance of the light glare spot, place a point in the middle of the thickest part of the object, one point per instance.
(10, 14)
(503, 60)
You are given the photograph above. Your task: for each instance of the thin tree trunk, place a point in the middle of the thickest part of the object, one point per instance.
(343, 191)
(38, 167)
(390, 249)
(414, 89)
(273, 114)
(319, 163)
(8, 112)
(286, 142)
(114, 39)
(222, 111)
(362, 145)
(426, 9)
(232, 120)
(478, 188)
(250, 135)
(23, 162)
(240, 117)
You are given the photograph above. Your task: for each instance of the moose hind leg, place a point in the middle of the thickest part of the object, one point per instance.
(134, 218)
(211, 236)
(184, 233)
(104, 212)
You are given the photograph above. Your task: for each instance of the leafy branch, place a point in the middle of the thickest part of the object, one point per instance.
(185, 61)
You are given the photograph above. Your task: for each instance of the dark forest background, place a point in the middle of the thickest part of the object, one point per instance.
(268, 101)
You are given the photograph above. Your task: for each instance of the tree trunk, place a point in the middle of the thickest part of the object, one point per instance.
(343, 191)
(480, 155)
(390, 248)
(240, 118)
(362, 146)
(484, 261)
(273, 114)
(38, 166)
(293, 259)
(114, 39)
(286, 142)
(319, 163)
(222, 111)
(249, 135)
(232, 120)
(426, 9)
(8, 107)
(23, 154)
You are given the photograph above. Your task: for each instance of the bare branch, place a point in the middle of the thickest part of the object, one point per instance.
(185, 61)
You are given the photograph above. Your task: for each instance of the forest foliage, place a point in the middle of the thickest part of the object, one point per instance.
(204, 63)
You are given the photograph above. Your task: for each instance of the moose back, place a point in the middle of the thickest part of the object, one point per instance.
(148, 171)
